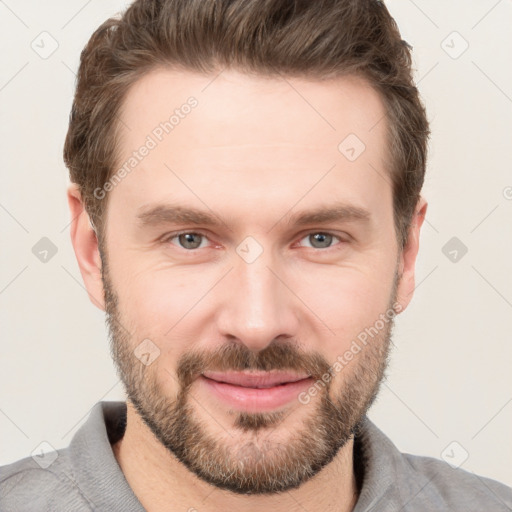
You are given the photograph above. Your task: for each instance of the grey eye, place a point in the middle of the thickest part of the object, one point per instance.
(320, 240)
(189, 240)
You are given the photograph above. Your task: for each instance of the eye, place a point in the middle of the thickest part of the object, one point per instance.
(190, 240)
(320, 239)
(187, 240)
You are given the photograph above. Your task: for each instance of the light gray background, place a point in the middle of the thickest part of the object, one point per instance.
(451, 372)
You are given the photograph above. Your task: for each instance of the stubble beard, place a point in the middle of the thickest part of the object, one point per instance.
(250, 460)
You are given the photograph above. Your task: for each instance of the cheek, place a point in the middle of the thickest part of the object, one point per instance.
(163, 303)
(168, 305)
(155, 304)
(346, 300)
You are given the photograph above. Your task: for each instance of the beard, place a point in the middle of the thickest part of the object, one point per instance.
(249, 459)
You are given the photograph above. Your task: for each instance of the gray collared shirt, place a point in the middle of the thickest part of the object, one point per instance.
(85, 476)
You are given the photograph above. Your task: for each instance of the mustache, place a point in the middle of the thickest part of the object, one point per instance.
(283, 355)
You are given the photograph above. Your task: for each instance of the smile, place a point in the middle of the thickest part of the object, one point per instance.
(255, 392)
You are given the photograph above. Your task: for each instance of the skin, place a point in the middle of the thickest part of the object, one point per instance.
(253, 152)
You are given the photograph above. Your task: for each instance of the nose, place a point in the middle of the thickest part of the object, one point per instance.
(258, 305)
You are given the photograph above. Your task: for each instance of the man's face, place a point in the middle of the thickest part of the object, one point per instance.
(257, 293)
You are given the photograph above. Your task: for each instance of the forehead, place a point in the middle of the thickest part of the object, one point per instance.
(250, 109)
(264, 137)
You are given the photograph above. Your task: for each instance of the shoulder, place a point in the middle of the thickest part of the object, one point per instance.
(455, 488)
(414, 483)
(31, 485)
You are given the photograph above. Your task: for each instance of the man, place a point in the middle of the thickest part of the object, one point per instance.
(246, 180)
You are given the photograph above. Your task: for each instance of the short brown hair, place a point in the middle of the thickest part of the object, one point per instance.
(313, 39)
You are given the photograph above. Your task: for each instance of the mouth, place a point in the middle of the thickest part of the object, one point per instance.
(255, 391)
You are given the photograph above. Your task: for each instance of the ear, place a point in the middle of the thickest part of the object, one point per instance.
(407, 258)
(85, 244)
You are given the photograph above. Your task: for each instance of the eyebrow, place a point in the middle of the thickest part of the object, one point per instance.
(175, 214)
(332, 213)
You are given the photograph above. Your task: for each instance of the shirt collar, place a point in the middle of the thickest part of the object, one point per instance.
(382, 468)
(99, 477)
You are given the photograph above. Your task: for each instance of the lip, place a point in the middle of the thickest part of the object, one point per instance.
(255, 379)
(255, 391)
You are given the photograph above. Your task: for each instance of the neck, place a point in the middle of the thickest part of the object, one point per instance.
(161, 482)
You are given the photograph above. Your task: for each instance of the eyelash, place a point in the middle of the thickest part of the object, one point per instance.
(171, 236)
